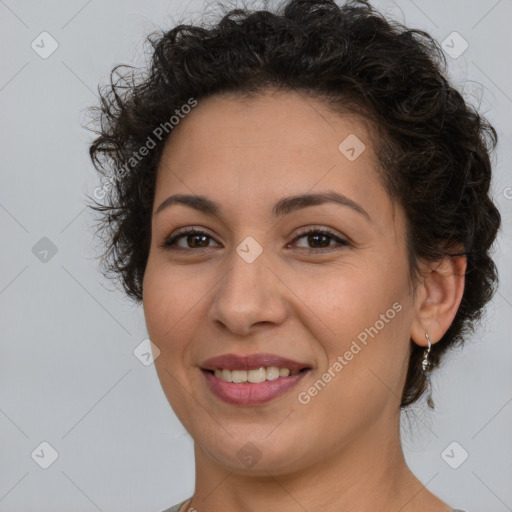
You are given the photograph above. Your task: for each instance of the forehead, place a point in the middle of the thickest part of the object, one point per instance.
(273, 145)
(283, 121)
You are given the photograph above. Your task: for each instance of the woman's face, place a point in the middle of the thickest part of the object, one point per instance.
(336, 301)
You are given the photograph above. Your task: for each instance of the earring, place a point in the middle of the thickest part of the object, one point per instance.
(426, 365)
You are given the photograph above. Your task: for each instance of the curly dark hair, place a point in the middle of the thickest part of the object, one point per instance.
(432, 146)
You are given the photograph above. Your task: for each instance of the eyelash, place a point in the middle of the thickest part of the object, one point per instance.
(168, 243)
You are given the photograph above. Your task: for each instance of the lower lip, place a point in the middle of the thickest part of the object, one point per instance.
(249, 393)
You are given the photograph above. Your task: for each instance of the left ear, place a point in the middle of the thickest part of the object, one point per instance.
(438, 297)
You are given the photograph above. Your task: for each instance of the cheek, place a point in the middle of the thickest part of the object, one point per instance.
(165, 303)
(175, 302)
(155, 300)
(363, 317)
(167, 309)
(348, 300)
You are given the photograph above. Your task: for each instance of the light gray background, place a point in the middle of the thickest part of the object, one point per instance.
(68, 373)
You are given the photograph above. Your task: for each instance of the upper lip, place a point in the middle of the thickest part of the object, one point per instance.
(251, 362)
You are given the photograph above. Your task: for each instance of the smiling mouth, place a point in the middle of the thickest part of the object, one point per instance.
(242, 392)
(254, 376)
(252, 379)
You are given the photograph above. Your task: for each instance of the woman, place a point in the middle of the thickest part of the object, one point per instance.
(300, 201)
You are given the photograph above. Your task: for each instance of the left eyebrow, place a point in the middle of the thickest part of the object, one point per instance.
(294, 203)
(283, 207)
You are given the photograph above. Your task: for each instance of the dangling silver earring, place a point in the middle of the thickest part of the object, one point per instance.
(426, 366)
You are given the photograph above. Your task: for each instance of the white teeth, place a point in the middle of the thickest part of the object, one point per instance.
(273, 373)
(254, 376)
(238, 376)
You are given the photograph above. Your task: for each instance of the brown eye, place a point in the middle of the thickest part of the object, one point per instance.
(194, 239)
(319, 240)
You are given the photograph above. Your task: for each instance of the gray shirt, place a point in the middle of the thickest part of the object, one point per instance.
(177, 507)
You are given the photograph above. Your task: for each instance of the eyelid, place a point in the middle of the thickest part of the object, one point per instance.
(314, 228)
(186, 229)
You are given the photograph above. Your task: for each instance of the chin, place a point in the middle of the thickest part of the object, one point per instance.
(256, 456)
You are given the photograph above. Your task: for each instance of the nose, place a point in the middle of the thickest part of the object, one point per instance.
(249, 295)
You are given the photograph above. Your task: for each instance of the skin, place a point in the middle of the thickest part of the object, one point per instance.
(341, 451)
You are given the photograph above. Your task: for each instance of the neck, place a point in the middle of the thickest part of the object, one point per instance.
(369, 473)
